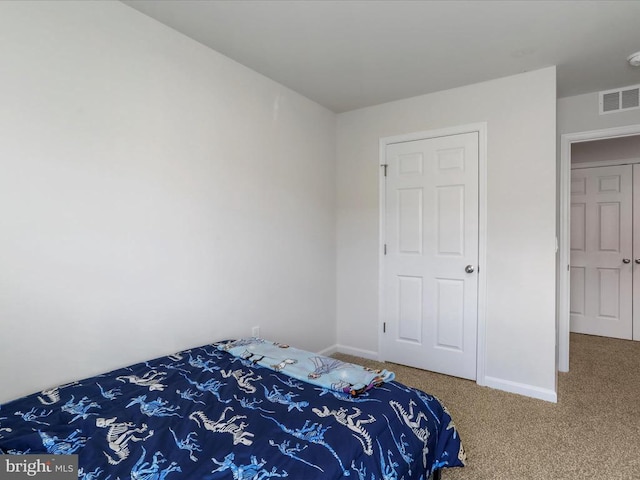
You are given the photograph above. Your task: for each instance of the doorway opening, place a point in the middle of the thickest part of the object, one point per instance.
(564, 275)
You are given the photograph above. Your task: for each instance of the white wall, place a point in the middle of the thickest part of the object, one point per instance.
(520, 317)
(154, 195)
(580, 114)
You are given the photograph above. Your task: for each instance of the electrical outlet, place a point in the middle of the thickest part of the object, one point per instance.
(255, 332)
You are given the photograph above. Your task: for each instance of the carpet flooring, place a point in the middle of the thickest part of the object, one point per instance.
(592, 432)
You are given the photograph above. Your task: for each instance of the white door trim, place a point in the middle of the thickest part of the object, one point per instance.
(564, 278)
(481, 129)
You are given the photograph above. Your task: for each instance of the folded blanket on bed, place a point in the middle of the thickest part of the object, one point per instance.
(316, 369)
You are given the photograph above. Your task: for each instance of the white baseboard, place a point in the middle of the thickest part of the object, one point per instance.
(491, 382)
(358, 352)
(521, 389)
(327, 352)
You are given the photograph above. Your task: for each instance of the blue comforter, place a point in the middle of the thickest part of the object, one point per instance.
(205, 414)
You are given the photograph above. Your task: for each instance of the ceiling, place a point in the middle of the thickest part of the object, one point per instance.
(350, 54)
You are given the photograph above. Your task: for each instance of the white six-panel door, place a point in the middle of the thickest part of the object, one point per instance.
(602, 251)
(431, 280)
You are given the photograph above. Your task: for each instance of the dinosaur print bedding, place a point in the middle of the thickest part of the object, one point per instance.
(206, 414)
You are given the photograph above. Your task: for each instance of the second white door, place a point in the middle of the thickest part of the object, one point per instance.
(602, 251)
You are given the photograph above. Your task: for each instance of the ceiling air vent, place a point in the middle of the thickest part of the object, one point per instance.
(621, 99)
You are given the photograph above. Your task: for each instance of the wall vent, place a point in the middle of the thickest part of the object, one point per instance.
(620, 99)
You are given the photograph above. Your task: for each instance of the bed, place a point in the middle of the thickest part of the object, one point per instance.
(207, 414)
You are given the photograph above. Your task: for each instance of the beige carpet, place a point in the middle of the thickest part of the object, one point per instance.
(592, 432)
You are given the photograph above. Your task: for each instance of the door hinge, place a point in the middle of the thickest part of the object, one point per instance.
(384, 165)
(385, 248)
(384, 327)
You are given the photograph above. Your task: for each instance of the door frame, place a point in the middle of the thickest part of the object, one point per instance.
(481, 129)
(563, 321)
